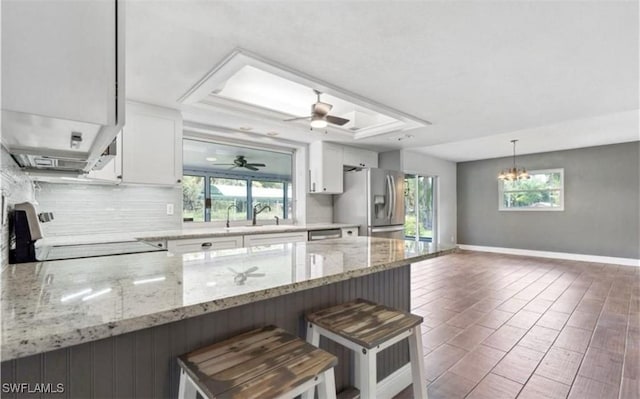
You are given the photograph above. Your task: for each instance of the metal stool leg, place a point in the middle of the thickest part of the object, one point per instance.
(417, 364)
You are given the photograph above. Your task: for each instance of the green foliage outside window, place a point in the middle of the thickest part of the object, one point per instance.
(542, 190)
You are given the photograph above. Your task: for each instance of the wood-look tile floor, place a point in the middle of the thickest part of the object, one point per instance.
(500, 326)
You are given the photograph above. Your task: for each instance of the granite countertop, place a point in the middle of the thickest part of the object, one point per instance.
(193, 232)
(51, 305)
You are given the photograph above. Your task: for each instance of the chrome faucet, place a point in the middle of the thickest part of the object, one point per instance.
(256, 211)
(277, 221)
(228, 209)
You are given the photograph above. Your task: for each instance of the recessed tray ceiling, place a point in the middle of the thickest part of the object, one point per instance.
(249, 84)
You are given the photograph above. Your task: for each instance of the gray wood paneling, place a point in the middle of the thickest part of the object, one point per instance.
(81, 367)
(142, 364)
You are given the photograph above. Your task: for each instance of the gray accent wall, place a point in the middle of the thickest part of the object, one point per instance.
(602, 202)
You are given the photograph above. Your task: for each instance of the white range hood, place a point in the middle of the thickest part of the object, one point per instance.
(62, 84)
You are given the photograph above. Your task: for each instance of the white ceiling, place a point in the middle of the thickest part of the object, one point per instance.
(556, 74)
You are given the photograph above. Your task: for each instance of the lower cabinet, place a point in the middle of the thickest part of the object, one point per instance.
(349, 232)
(204, 244)
(279, 238)
(181, 246)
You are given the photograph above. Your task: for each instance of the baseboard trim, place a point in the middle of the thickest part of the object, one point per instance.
(394, 383)
(554, 255)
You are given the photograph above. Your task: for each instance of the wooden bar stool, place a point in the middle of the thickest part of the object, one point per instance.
(367, 328)
(264, 363)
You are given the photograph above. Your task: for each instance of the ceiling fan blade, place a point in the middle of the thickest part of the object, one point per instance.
(335, 120)
(259, 165)
(232, 271)
(299, 118)
(233, 167)
(255, 274)
(222, 164)
(251, 270)
(251, 167)
(321, 109)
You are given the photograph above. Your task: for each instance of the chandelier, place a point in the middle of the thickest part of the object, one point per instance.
(511, 174)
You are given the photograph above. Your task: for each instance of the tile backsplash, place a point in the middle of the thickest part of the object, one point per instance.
(319, 208)
(87, 209)
(15, 187)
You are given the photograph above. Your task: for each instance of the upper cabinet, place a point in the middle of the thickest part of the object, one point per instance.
(359, 158)
(325, 168)
(62, 77)
(152, 145)
(326, 162)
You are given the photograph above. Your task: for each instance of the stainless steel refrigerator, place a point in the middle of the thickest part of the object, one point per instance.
(373, 199)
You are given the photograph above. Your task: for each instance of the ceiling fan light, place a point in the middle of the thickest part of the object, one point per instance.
(318, 122)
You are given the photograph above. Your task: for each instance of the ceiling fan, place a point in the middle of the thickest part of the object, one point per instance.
(241, 162)
(320, 115)
(240, 278)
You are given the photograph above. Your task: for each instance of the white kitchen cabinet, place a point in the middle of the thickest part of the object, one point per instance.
(325, 168)
(204, 244)
(62, 72)
(152, 145)
(277, 238)
(359, 158)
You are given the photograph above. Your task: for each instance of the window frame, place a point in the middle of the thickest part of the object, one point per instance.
(560, 208)
(208, 175)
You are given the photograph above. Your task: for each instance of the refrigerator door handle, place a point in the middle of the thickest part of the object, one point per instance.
(389, 196)
(393, 196)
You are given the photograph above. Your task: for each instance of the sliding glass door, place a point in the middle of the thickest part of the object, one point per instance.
(420, 208)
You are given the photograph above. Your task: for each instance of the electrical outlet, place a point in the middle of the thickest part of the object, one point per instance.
(169, 209)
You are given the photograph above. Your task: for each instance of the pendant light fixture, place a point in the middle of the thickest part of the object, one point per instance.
(513, 173)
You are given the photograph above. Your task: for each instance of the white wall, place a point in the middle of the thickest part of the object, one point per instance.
(426, 165)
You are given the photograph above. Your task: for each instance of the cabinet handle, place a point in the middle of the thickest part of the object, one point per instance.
(179, 181)
(324, 189)
(206, 245)
(314, 188)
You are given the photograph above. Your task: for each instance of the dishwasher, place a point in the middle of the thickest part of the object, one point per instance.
(315, 235)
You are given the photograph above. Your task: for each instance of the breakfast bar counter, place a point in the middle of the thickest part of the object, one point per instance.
(139, 304)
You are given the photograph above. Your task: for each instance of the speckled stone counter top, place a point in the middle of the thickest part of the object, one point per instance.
(51, 305)
(186, 232)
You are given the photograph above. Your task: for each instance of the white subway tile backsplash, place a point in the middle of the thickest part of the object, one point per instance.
(86, 209)
(15, 187)
(319, 208)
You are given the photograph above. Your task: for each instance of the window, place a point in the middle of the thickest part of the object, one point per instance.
(228, 195)
(544, 191)
(193, 198)
(220, 178)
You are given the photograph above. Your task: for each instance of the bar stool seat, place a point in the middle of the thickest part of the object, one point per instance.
(263, 363)
(367, 328)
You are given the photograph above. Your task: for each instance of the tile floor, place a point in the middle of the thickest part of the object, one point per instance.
(499, 326)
